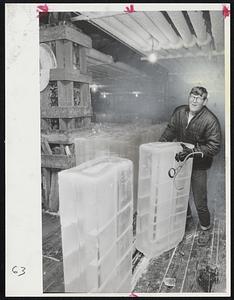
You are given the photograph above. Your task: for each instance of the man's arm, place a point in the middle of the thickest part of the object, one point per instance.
(213, 138)
(170, 132)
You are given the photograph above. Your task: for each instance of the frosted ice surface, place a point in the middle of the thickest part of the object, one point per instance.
(126, 284)
(90, 196)
(146, 164)
(162, 201)
(125, 188)
(124, 243)
(144, 204)
(164, 191)
(70, 239)
(124, 267)
(181, 187)
(92, 276)
(106, 193)
(163, 208)
(68, 207)
(79, 284)
(71, 266)
(181, 204)
(178, 220)
(109, 286)
(144, 187)
(123, 220)
(162, 228)
(106, 238)
(107, 265)
(143, 222)
(91, 248)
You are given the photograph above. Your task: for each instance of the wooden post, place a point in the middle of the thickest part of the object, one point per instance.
(62, 124)
(44, 95)
(65, 93)
(85, 95)
(63, 38)
(54, 193)
(68, 54)
(60, 53)
(83, 61)
(71, 124)
(44, 125)
(46, 186)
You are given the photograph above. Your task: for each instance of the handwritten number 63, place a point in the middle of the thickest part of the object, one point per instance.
(18, 270)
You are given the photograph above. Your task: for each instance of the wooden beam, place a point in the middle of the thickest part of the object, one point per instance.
(95, 15)
(64, 32)
(124, 67)
(65, 112)
(59, 138)
(68, 74)
(78, 37)
(57, 161)
(98, 56)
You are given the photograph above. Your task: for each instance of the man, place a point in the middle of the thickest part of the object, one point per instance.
(196, 124)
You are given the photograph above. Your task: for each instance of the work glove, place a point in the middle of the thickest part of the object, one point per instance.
(182, 155)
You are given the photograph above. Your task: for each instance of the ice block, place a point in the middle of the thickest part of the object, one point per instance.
(162, 200)
(96, 212)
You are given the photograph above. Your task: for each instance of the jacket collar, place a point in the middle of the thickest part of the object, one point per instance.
(200, 112)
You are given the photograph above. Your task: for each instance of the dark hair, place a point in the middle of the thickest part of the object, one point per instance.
(199, 90)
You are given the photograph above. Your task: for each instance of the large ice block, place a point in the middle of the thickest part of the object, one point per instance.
(162, 200)
(96, 212)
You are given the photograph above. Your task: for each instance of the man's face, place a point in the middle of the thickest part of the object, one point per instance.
(196, 103)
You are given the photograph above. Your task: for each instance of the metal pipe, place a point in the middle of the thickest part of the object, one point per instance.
(98, 56)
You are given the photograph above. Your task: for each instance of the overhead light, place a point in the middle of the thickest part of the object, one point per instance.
(94, 87)
(104, 94)
(136, 93)
(152, 57)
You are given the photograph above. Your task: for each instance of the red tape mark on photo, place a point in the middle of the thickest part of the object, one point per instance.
(226, 11)
(130, 9)
(133, 295)
(43, 9)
